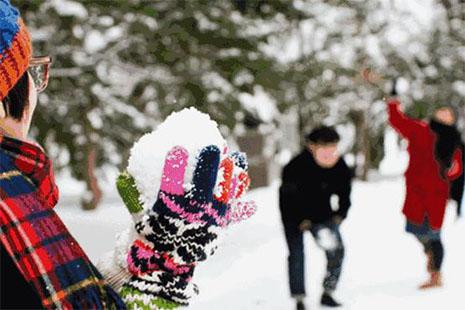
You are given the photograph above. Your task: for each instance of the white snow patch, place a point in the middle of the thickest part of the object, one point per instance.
(459, 87)
(94, 41)
(396, 159)
(69, 8)
(261, 104)
(383, 264)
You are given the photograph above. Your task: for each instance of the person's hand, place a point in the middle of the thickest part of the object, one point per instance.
(337, 219)
(371, 77)
(183, 226)
(305, 225)
(375, 80)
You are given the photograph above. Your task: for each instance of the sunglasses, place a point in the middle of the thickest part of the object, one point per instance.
(39, 69)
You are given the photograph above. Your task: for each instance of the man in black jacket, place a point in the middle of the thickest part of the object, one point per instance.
(315, 196)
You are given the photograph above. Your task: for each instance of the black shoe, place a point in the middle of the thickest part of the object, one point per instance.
(328, 301)
(300, 305)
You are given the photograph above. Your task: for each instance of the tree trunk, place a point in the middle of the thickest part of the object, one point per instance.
(362, 144)
(93, 194)
(366, 149)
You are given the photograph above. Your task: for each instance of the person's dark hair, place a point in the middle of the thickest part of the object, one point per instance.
(447, 142)
(17, 99)
(322, 135)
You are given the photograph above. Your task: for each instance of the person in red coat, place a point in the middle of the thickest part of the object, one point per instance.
(435, 160)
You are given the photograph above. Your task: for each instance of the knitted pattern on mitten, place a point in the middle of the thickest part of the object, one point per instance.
(134, 294)
(182, 227)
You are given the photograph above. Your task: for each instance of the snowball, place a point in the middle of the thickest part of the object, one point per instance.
(326, 239)
(188, 128)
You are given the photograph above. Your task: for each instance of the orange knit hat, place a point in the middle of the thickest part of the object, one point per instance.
(15, 47)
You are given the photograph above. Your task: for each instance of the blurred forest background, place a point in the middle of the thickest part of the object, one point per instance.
(266, 71)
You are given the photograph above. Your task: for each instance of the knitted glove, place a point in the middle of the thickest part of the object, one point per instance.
(182, 227)
(113, 265)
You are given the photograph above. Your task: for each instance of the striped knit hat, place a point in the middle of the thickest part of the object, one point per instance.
(15, 47)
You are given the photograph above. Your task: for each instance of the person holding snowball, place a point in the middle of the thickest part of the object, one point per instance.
(183, 189)
(315, 196)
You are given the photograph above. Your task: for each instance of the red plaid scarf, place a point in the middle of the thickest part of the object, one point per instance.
(32, 233)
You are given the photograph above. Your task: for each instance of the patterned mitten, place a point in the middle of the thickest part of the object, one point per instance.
(183, 226)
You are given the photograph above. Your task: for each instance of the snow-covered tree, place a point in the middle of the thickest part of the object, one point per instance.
(120, 67)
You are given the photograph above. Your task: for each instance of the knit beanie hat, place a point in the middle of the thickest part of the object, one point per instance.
(15, 47)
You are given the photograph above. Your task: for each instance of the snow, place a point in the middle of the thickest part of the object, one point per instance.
(459, 87)
(382, 269)
(422, 10)
(94, 42)
(260, 104)
(69, 8)
(396, 159)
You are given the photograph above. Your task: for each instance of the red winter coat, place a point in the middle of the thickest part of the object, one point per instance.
(427, 191)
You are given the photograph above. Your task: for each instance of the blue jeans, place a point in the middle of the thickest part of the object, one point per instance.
(423, 231)
(328, 237)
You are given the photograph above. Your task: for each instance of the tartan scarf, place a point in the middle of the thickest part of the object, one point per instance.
(42, 248)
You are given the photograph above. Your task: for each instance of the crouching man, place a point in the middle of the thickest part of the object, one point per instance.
(315, 196)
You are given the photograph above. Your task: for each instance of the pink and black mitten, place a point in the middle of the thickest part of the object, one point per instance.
(182, 227)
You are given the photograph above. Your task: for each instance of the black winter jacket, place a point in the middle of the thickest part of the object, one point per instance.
(15, 292)
(307, 188)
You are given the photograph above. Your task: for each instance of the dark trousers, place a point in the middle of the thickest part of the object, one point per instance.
(431, 241)
(434, 248)
(328, 238)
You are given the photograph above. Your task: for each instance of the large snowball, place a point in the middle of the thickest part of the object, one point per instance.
(188, 128)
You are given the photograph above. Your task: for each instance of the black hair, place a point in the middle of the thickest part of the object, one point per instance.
(17, 99)
(323, 135)
(447, 142)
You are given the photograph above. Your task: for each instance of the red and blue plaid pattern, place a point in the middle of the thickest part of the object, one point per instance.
(37, 240)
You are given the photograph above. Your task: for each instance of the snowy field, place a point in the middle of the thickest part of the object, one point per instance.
(383, 264)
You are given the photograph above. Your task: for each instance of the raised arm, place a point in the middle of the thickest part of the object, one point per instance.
(406, 126)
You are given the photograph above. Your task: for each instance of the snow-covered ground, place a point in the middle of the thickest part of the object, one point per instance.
(382, 269)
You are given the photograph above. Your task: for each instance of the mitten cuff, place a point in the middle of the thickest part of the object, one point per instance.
(140, 300)
(157, 276)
